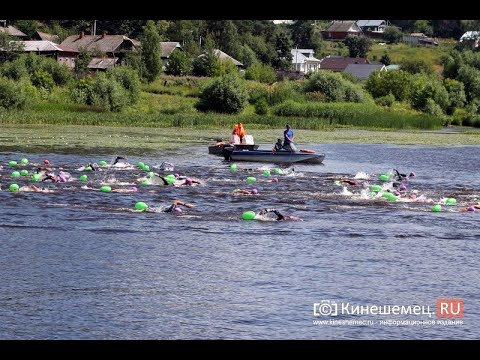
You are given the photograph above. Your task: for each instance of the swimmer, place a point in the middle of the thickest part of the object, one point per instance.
(263, 216)
(471, 208)
(176, 206)
(186, 182)
(245, 192)
(118, 158)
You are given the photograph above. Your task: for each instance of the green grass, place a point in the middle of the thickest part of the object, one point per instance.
(353, 114)
(400, 51)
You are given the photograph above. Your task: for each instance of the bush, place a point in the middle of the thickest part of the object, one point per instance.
(416, 66)
(335, 88)
(42, 79)
(14, 70)
(392, 34)
(12, 95)
(257, 91)
(128, 78)
(108, 94)
(227, 94)
(285, 90)
(179, 64)
(261, 107)
(386, 100)
(380, 83)
(426, 87)
(261, 72)
(432, 108)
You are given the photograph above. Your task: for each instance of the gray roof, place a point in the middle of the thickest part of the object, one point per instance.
(363, 23)
(104, 43)
(102, 63)
(45, 46)
(363, 71)
(343, 26)
(12, 31)
(50, 37)
(168, 47)
(224, 56)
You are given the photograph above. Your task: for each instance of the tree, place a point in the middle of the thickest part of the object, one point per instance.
(29, 27)
(423, 26)
(261, 72)
(10, 48)
(385, 60)
(151, 52)
(283, 46)
(247, 56)
(81, 63)
(358, 46)
(179, 64)
(392, 34)
(206, 63)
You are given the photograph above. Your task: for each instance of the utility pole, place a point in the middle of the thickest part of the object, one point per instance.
(94, 27)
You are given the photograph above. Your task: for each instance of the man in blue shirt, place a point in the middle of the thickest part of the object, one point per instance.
(288, 139)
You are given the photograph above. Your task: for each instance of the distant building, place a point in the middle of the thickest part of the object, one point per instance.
(11, 30)
(102, 47)
(168, 47)
(288, 22)
(377, 26)
(304, 61)
(339, 63)
(222, 56)
(363, 71)
(63, 54)
(39, 35)
(419, 39)
(471, 36)
(339, 30)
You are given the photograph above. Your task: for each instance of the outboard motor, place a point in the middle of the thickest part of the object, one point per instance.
(227, 152)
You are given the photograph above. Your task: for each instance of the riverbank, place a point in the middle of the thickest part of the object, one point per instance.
(47, 138)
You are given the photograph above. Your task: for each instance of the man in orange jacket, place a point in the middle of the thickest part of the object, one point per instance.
(239, 130)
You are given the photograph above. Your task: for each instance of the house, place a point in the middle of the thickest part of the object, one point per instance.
(61, 53)
(471, 36)
(10, 30)
(39, 35)
(339, 30)
(304, 61)
(419, 39)
(101, 47)
(377, 26)
(168, 47)
(363, 71)
(225, 57)
(339, 63)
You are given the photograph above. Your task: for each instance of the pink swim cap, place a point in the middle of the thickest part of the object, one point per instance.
(134, 188)
(254, 191)
(274, 180)
(403, 188)
(177, 209)
(470, 208)
(188, 182)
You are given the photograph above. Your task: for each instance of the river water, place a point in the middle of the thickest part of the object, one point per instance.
(83, 264)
